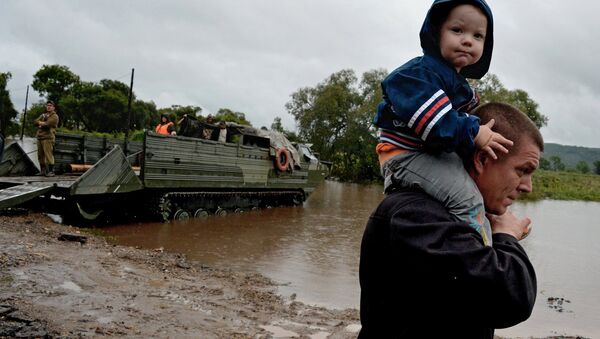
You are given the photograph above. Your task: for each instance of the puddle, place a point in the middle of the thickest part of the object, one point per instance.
(104, 320)
(55, 217)
(69, 285)
(279, 332)
(353, 328)
(319, 335)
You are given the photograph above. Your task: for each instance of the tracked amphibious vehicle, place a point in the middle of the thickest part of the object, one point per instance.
(165, 177)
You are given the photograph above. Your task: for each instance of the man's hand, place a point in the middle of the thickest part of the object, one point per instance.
(510, 224)
(490, 141)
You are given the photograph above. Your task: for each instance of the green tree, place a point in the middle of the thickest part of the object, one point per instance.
(276, 125)
(322, 112)
(100, 107)
(73, 104)
(336, 117)
(545, 164)
(144, 115)
(7, 109)
(557, 164)
(491, 89)
(597, 167)
(54, 82)
(176, 112)
(582, 167)
(292, 136)
(95, 107)
(226, 114)
(34, 111)
(356, 152)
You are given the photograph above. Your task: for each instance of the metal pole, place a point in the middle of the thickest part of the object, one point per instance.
(129, 111)
(24, 112)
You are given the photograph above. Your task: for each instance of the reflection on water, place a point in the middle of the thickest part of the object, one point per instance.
(313, 251)
(564, 248)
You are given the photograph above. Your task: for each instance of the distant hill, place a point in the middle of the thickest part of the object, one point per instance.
(571, 155)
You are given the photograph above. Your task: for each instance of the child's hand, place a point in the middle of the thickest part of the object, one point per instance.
(491, 141)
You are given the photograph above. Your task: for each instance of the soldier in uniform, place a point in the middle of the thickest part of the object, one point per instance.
(46, 134)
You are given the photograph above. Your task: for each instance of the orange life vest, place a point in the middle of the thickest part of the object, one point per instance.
(164, 129)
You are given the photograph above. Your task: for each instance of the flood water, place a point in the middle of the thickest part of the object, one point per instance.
(313, 252)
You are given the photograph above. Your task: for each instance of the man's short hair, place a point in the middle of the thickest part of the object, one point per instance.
(50, 102)
(511, 123)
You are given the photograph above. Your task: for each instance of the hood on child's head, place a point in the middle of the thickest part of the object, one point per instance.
(435, 17)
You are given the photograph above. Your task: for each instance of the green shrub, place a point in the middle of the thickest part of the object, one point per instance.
(564, 186)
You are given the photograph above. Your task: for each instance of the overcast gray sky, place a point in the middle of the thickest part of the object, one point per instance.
(250, 56)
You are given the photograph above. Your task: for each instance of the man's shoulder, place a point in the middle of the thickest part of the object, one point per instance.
(412, 203)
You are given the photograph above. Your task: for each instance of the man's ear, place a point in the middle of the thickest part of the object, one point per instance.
(480, 158)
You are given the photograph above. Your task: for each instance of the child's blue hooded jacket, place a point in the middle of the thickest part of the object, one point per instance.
(425, 100)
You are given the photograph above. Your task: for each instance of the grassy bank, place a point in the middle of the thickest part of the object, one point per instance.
(565, 186)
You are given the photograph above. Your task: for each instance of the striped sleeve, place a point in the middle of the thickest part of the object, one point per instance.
(423, 120)
(400, 140)
(419, 101)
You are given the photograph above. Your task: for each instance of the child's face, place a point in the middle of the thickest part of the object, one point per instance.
(462, 36)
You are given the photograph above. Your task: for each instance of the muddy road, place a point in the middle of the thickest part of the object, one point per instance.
(55, 288)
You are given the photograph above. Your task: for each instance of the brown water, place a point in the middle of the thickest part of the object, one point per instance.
(313, 251)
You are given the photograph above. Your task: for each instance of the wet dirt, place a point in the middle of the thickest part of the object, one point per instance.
(54, 288)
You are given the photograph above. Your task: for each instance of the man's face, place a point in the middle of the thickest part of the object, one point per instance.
(49, 107)
(462, 36)
(502, 181)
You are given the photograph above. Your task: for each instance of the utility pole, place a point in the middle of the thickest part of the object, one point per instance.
(24, 112)
(129, 112)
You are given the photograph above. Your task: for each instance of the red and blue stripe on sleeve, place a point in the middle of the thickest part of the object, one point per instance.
(425, 118)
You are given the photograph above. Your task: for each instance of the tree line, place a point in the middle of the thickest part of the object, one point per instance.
(554, 163)
(95, 107)
(335, 115)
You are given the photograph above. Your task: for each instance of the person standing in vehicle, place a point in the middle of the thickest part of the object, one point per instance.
(46, 135)
(222, 131)
(165, 127)
(208, 128)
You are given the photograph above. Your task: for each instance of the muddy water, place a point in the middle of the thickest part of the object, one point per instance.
(312, 251)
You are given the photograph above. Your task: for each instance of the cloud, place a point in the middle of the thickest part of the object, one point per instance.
(549, 49)
(250, 56)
